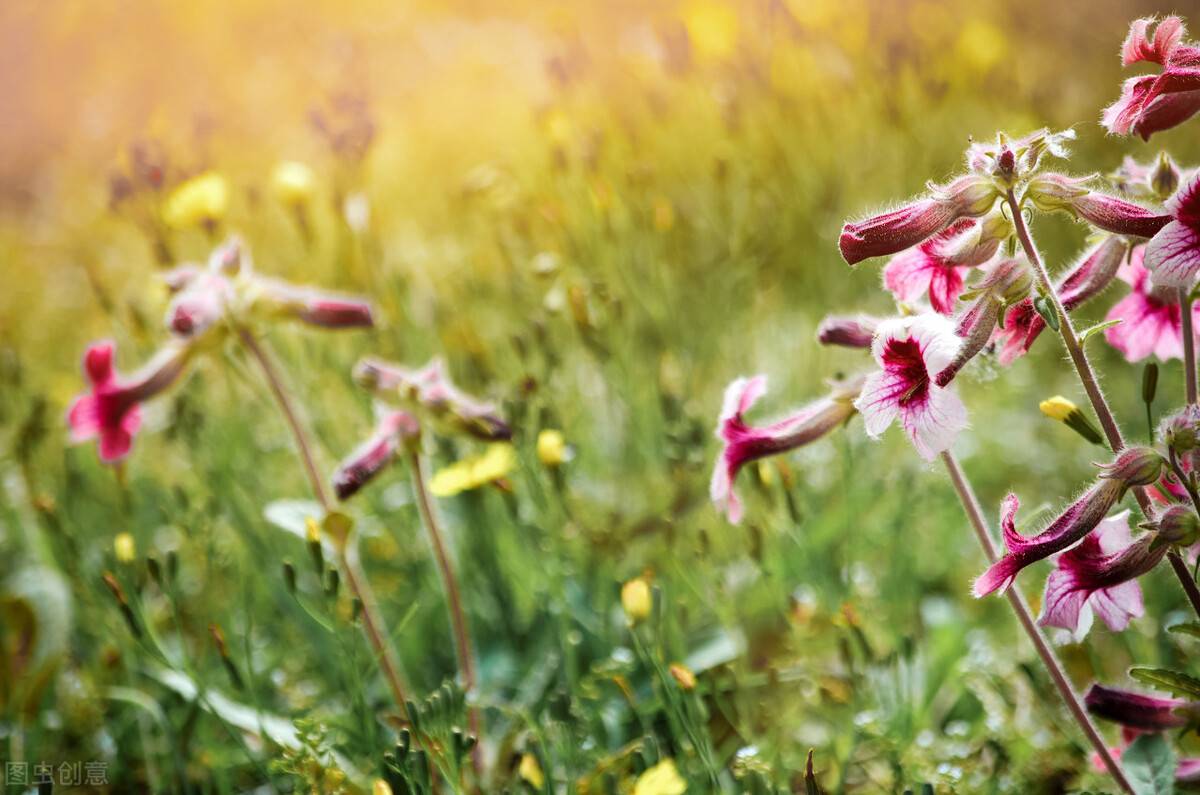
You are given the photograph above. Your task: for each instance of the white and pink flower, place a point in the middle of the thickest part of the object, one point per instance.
(910, 352)
(1151, 319)
(1173, 255)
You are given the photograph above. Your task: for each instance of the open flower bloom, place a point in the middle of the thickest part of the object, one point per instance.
(429, 394)
(1003, 283)
(393, 431)
(1151, 318)
(938, 266)
(1152, 103)
(111, 411)
(1099, 576)
(1094, 272)
(1173, 256)
(745, 443)
(1051, 192)
(968, 196)
(1135, 466)
(910, 351)
(848, 331)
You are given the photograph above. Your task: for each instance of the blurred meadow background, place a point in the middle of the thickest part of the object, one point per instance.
(600, 213)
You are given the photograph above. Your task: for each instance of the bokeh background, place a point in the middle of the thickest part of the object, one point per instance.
(599, 213)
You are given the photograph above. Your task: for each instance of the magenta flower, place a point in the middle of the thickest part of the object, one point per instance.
(1099, 575)
(1137, 466)
(938, 266)
(745, 443)
(1050, 192)
(1150, 316)
(1094, 272)
(975, 325)
(966, 197)
(1152, 103)
(1173, 256)
(847, 331)
(1136, 711)
(910, 351)
(111, 412)
(394, 430)
(311, 306)
(430, 395)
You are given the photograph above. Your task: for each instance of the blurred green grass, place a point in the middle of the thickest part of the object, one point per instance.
(845, 594)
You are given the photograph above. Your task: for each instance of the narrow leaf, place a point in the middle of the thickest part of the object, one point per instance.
(1174, 682)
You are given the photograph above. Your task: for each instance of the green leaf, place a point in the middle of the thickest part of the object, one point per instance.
(1187, 628)
(1149, 765)
(1096, 329)
(1174, 682)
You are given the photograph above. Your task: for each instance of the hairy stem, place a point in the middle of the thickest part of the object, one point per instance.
(373, 625)
(1189, 344)
(971, 507)
(458, 616)
(1087, 377)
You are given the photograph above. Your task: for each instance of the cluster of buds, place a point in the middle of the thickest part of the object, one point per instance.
(408, 401)
(209, 303)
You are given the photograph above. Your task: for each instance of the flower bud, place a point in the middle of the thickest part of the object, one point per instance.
(1179, 525)
(1058, 192)
(847, 331)
(1165, 177)
(636, 599)
(1066, 412)
(1134, 466)
(552, 449)
(1007, 280)
(1142, 713)
(1180, 431)
(683, 676)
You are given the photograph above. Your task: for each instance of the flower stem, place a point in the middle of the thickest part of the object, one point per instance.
(971, 507)
(458, 616)
(1090, 385)
(373, 626)
(1189, 344)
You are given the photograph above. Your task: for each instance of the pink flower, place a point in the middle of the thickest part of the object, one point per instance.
(1022, 324)
(1152, 103)
(975, 325)
(111, 411)
(1136, 711)
(745, 443)
(966, 197)
(1135, 466)
(200, 301)
(1150, 316)
(939, 265)
(372, 456)
(849, 332)
(311, 306)
(1050, 192)
(1173, 256)
(910, 351)
(1099, 575)
(430, 395)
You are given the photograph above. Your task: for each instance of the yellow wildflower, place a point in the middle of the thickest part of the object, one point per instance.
(636, 599)
(1057, 408)
(202, 200)
(470, 473)
(312, 530)
(293, 182)
(662, 779)
(683, 676)
(712, 28)
(124, 547)
(531, 771)
(552, 448)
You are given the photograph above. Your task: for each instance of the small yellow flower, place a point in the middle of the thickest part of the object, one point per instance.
(683, 676)
(470, 473)
(636, 599)
(202, 200)
(1057, 408)
(293, 182)
(662, 779)
(124, 547)
(312, 530)
(531, 771)
(381, 787)
(552, 448)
